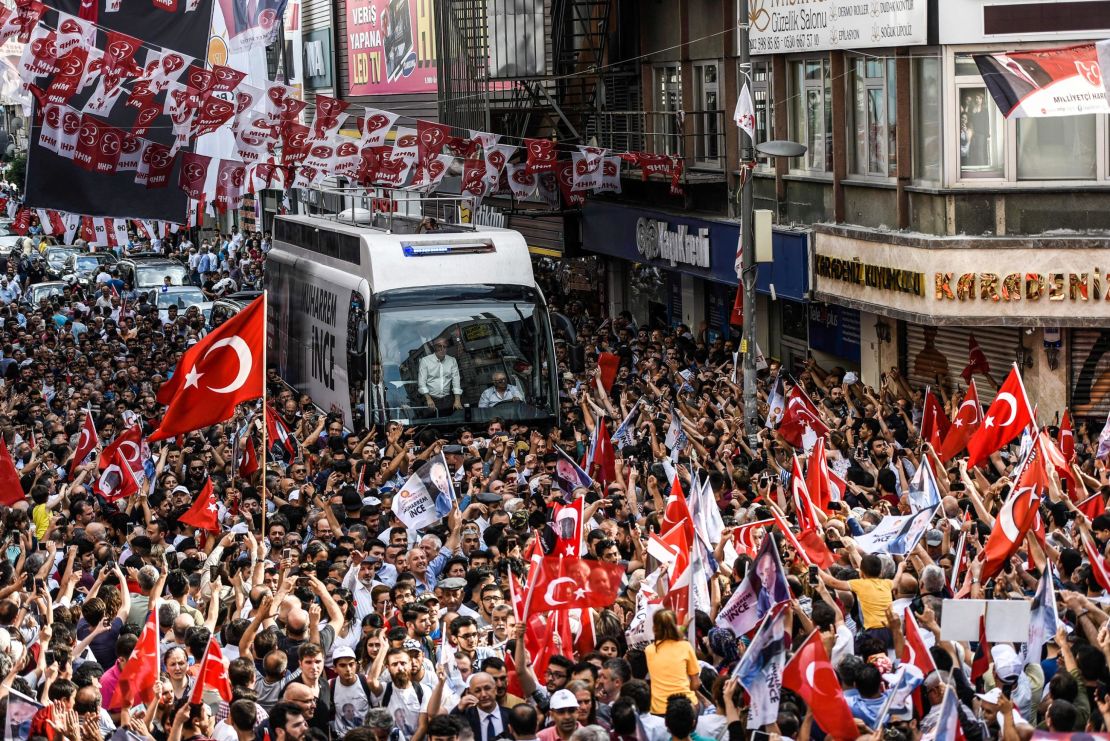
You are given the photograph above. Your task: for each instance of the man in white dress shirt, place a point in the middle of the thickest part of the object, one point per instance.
(438, 380)
(500, 391)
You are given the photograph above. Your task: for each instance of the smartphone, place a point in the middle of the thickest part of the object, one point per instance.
(42, 545)
(813, 575)
(50, 657)
(239, 538)
(213, 572)
(286, 554)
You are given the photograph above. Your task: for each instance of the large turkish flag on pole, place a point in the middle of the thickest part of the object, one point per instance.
(86, 443)
(214, 375)
(1007, 417)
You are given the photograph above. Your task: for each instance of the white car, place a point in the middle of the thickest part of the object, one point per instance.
(9, 243)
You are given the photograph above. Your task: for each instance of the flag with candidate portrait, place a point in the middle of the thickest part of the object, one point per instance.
(760, 670)
(427, 496)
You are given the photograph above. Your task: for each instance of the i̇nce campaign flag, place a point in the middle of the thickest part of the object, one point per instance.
(58, 183)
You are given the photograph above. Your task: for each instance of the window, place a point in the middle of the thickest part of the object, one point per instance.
(707, 118)
(1061, 148)
(665, 129)
(811, 112)
(764, 105)
(979, 127)
(925, 73)
(873, 116)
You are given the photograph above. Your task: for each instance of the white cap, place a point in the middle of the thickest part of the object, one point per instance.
(342, 652)
(563, 700)
(1007, 665)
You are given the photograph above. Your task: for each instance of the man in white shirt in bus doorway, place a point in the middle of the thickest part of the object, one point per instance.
(438, 379)
(500, 391)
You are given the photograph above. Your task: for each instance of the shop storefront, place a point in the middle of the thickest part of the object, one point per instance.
(672, 269)
(1038, 302)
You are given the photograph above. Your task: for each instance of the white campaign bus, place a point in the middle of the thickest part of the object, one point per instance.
(354, 307)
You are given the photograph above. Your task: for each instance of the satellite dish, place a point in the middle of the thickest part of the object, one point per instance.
(781, 148)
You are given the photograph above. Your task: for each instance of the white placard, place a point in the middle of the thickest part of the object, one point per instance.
(1007, 620)
(787, 26)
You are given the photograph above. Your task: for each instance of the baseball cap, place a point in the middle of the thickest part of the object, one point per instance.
(1007, 665)
(933, 537)
(411, 644)
(342, 652)
(427, 597)
(563, 700)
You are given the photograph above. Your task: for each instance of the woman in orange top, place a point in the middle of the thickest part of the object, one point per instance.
(672, 664)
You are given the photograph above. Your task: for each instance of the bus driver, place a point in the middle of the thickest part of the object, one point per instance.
(438, 380)
(500, 391)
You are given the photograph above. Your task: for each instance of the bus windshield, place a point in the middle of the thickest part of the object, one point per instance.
(492, 356)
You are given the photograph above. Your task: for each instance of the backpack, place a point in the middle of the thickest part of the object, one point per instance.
(362, 682)
(389, 693)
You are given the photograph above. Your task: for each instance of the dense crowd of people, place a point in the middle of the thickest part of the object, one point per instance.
(335, 621)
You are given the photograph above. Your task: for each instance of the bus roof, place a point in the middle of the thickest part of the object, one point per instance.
(395, 260)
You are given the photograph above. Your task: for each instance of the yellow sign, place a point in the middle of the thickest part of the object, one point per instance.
(217, 50)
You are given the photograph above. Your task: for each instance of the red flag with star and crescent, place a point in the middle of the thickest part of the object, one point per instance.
(129, 443)
(566, 582)
(140, 671)
(117, 480)
(204, 513)
(86, 443)
(968, 418)
(1008, 415)
(810, 673)
(214, 375)
(212, 674)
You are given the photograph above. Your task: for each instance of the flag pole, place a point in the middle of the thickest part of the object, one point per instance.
(265, 411)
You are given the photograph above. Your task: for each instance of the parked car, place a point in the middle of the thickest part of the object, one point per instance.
(55, 258)
(180, 296)
(39, 291)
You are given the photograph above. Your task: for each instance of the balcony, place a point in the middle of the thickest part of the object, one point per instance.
(696, 136)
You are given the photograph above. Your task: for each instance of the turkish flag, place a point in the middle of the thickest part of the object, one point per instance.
(129, 444)
(736, 318)
(934, 422)
(1092, 506)
(810, 674)
(1098, 562)
(212, 674)
(915, 651)
(818, 482)
(140, 671)
(1066, 443)
(566, 582)
(248, 459)
(977, 360)
(116, 480)
(216, 374)
(86, 443)
(807, 545)
(676, 512)
(743, 537)
(968, 419)
(204, 513)
(11, 490)
(799, 495)
(567, 524)
(800, 413)
(1017, 515)
(608, 363)
(675, 544)
(603, 461)
(1007, 417)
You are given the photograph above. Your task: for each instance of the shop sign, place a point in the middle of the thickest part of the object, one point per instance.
(787, 26)
(880, 277)
(656, 241)
(388, 49)
(1092, 286)
(317, 59)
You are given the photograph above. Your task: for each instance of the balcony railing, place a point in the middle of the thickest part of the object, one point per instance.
(698, 136)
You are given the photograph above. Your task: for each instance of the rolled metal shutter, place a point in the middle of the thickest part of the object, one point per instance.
(1089, 366)
(999, 344)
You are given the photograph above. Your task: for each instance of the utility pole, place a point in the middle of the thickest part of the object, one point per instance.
(747, 243)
